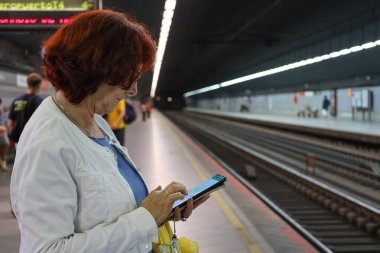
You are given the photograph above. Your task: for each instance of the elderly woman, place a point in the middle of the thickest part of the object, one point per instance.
(74, 188)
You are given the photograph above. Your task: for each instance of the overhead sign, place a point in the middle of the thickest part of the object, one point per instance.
(31, 21)
(46, 5)
(24, 14)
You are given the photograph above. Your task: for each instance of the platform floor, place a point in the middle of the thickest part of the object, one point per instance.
(330, 123)
(9, 233)
(232, 220)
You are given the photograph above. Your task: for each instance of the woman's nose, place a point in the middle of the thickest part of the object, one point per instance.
(132, 91)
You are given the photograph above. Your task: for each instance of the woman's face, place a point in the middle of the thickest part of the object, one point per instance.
(107, 97)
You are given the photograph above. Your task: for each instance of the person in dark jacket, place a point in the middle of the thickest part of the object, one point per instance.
(20, 104)
(325, 106)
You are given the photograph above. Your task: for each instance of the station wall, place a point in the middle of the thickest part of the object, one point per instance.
(14, 57)
(291, 104)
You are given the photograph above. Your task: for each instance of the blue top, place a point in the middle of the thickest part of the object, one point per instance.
(127, 171)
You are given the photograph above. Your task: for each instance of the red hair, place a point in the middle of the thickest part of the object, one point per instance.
(97, 46)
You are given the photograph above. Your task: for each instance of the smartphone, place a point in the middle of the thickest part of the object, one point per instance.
(212, 184)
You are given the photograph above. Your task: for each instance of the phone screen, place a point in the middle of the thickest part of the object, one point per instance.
(201, 189)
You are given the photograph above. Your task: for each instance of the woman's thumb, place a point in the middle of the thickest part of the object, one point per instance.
(158, 188)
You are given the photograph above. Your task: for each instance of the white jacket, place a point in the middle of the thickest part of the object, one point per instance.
(67, 192)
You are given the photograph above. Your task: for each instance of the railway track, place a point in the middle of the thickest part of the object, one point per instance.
(366, 149)
(333, 167)
(330, 219)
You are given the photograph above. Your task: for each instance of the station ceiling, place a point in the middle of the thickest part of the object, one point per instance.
(212, 41)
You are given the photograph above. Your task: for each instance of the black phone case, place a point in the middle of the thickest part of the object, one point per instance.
(221, 179)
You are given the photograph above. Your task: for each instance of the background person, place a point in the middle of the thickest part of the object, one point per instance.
(74, 188)
(116, 121)
(148, 108)
(24, 106)
(130, 112)
(325, 106)
(143, 111)
(4, 141)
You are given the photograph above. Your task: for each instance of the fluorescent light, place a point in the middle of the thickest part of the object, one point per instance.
(202, 90)
(170, 5)
(356, 48)
(325, 57)
(164, 34)
(334, 54)
(369, 45)
(287, 67)
(344, 51)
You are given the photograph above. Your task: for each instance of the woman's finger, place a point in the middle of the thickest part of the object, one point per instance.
(189, 209)
(158, 188)
(201, 200)
(177, 214)
(176, 187)
(174, 197)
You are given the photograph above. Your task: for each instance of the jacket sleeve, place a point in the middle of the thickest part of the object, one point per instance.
(44, 199)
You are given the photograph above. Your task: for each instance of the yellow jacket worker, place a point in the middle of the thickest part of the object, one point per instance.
(116, 121)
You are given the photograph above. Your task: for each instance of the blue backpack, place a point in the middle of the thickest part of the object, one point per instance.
(130, 113)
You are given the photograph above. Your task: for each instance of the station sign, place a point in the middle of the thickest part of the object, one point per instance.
(26, 14)
(46, 5)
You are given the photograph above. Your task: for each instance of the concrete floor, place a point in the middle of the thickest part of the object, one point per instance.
(9, 233)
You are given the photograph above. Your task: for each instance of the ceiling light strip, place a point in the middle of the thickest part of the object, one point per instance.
(165, 28)
(285, 68)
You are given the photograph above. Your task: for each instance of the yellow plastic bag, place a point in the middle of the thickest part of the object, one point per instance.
(187, 245)
(164, 244)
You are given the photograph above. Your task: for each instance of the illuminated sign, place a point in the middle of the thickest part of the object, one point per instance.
(46, 5)
(34, 21)
(41, 14)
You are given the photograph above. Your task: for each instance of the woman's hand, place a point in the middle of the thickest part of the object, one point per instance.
(160, 202)
(190, 206)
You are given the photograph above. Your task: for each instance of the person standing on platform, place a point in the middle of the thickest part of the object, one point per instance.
(325, 106)
(74, 188)
(148, 108)
(23, 107)
(130, 113)
(116, 121)
(4, 141)
(143, 111)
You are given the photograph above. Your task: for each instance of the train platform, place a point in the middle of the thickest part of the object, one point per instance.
(232, 220)
(346, 129)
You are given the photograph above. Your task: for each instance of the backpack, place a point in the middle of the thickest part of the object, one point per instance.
(25, 115)
(130, 113)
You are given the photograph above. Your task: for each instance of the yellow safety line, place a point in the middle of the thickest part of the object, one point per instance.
(239, 227)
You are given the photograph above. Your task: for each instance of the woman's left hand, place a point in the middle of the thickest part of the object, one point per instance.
(190, 206)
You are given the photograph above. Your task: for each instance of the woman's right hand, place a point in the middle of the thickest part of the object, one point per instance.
(160, 202)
